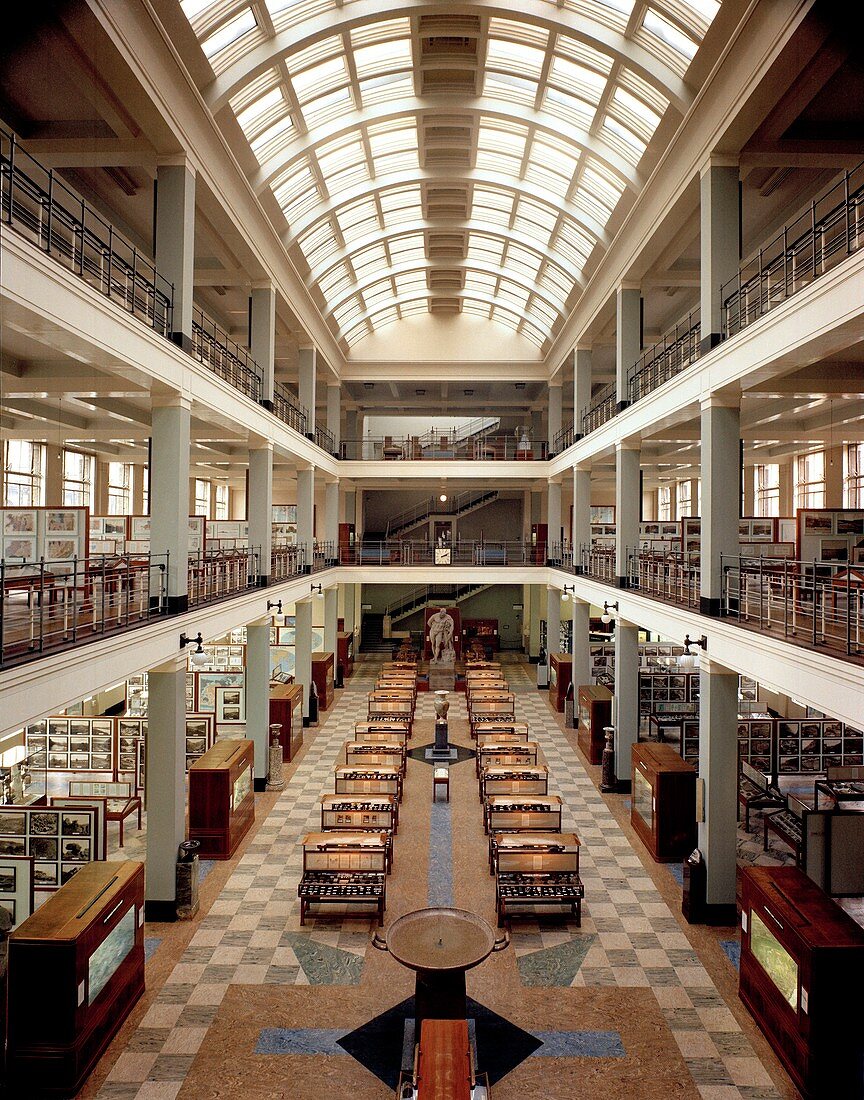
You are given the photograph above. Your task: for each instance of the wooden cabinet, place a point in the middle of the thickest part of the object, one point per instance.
(801, 957)
(76, 968)
(347, 543)
(221, 800)
(595, 712)
(663, 801)
(286, 708)
(560, 677)
(484, 631)
(345, 652)
(322, 677)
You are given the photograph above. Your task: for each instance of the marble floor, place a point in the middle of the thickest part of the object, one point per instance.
(242, 1001)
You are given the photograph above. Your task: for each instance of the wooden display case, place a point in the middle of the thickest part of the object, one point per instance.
(359, 812)
(347, 543)
(560, 678)
(76, 968)
(221, 799)
(491, 732)
(377, 779)
(322, 677)
(510, 813)
(345, 652)
(595, 712)
(801, 955)
(516, 780)
(382, 731)
(506, 754)
(362, 754)
(663, 801)
(286, 708)
(485, 631)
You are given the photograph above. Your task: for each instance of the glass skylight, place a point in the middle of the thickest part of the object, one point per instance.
(376, 185)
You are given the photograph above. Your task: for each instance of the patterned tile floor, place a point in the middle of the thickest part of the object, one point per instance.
(630, 940)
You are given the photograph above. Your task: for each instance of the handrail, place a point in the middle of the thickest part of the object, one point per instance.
(455, 505)
(564, 439)
(40, 205)
(233, 363)
(288, 410)
(480, 448)
(675, 351)
(324, 439)
(828, 231)
(601, 409)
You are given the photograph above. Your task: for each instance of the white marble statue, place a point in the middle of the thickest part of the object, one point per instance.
(441, 638)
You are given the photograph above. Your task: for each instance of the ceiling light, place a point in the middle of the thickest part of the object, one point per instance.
(368, 385)
(443, 498)
(420, 393)
(519, 385)
(468, 393)
(609, 610)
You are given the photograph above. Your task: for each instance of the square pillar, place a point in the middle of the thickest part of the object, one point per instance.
(628, 338)
(258, 695)
(262, 336)
(175, 242)
(581, 650)
(334, 413)
(259, 507)
(553, 619)
(555, 412)
(581, 533)
(331, 521)
(307, 367)
(537, 611)
(306, 513)
(719, 237)
(628, 494)
(348, 607)
(718, 770)
(331, 620)
(166, 787)
(553, 519)
(721, 456)
(625, 704)
(581, 387)
(303, 651)
(169, 497)
(54, 476)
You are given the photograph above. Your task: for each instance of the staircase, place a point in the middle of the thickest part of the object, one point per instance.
(459, 505)
(372, 634)
(419, 598)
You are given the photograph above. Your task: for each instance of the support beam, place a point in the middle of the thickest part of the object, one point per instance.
(720, 235)
(718, 770)
(166, 785)
(626, 699)
(175, 242)
(258, 695)
(169, 497)
(259, 508)
(721, 457)
(627, 500)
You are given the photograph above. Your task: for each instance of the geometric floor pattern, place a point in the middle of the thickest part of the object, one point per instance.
(630, 945)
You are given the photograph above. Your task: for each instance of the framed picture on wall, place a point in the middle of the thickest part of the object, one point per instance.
(139, 528)
(19, 521)
(209, 681)
(818, 523)
(20, 546)
(61, 521)
(230, 704)
(16, 887)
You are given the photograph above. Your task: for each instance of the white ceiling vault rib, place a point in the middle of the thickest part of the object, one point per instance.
(505, 136)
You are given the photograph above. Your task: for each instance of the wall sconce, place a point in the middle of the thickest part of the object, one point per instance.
(198, 656)
(317, 588)
(277, 606)
(610, 610)
(568, 589)
(692, 648)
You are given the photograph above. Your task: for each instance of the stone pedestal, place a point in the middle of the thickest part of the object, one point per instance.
(608, 782)
(275, 768)
(187, 883)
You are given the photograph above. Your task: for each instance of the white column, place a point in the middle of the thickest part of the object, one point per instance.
(787, 488)
(306, 512)
(353, 434)
(334, 413)
(348, 607)
(626, 700)
(175, 240)
(553, 519)
(581, 644)
(54, 476)
(718, 770)
(721, 434)
(331, 620)
(307, 369)
(581, 534)
(581, 387)
(169, 496)
(165, 780)
(537, 612)
(628, 338)
(719, 243)
(262, 336)
(303, 649)
(555, 411)
(331, 519)
(259, 507)
(258, 695)
(553, 619)
(627, 500)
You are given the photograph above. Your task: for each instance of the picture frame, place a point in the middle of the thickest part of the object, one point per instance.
(230, 703)
(209, 681)
(61, 521)
(20, 546)
(114, 527)
(60, 549)
(818, 523)
(139, 528)
(19, 521)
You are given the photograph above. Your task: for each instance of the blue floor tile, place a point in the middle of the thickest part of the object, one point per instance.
(151, 946)
(300, 1040)
(733, 952)
(579, 1044)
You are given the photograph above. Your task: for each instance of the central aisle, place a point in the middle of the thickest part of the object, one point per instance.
(257, 1006)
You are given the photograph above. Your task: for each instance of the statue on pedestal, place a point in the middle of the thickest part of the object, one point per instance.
(441, 637)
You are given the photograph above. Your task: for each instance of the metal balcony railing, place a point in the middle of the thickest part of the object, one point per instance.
(288, 409)
(819, 239)
(216, 574)
(213, 347)
(564, 439)
(464, 552)
(482, 448)
(601, 409)
(39, 205)
(676, 351)
(325, 439)
(674, 577)
(48, 606)
(287, 562)
(597, 564)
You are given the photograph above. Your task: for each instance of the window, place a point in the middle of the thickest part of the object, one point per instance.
(810, 480)
(145, 495)
(766, 490)
(685, 499)
(77, 479)
(221, 501)
(664, 502)
(202, 498)
(853, 476)
(24, 463)
(119, 488)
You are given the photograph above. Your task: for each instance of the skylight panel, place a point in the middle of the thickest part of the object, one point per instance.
(535, 219)
(394, 147)
(255, 112)
(480, 282)
(647, 93)
(327, 106)
(513, 30)
(335, 281)
(377, 293)
(601, 185)
(410, 282)
(514, 57)
(492, 206)
(272, 139)
(410, 309)
(482, 248)
(382, 57)
(556, 282)
(347, 311)
(400, 204)
(506, 317)
(385, 317)
(343, 164)
(551, 165)
(533, 334)
(669, 34)
(319, 78)
(705, 9)
(543, 314)
(319, 243)
(407, 248)
(380, 31)
(193, 8)
(500, 149)
(298, 195)
(569, 108)
(582, 54)
(370, 259)
(381, 89)
(623, 139)
(577, 79)
(357, 332)
(625, 7)
(528, 263)
(476, 307)
(512, 89)
(633, 112)
(512, 293)
(229, 33)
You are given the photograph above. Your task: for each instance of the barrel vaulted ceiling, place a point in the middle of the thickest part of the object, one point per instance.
(445, 159)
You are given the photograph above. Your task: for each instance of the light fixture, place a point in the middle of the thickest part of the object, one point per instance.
(443, 498)
(610, 610)
(277, 605)
(198, 656)
(368, 385)
(316, 588)
(519, 385)
(568, 588)
(689, 659)
(420, 393)
(468, 393)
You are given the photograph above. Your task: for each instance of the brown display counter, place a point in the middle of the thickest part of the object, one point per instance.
(322, 677)
(221, 800)
(286, 709)
(663, 801)
(345, 652)
(560, 676)
(595, 712)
